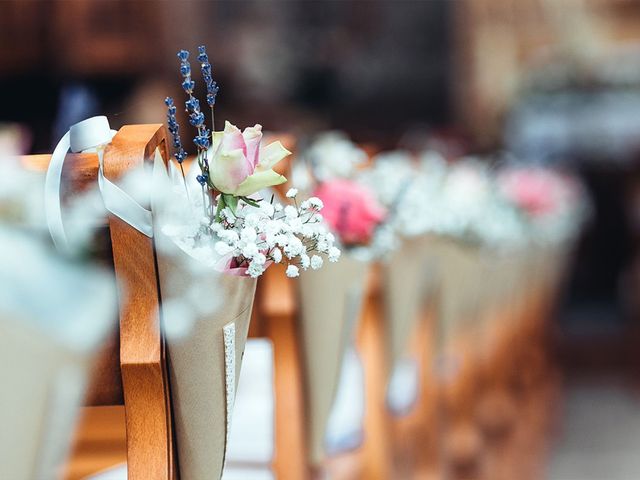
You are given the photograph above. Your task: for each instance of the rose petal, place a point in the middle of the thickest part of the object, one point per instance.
(232, 139)
(229, 170)
(252, 138)
(270, 155)
(259, 180)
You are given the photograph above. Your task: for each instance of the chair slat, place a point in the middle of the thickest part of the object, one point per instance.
(144, 376)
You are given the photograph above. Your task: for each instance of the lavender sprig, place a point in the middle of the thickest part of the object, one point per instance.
(174, 129)
(196, 119)
(210, 83)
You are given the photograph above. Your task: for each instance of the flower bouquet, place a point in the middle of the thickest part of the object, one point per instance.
(554, 207)
(408, 189)
(215, 235)
(331, 299)
(55, 314)
(477, 229)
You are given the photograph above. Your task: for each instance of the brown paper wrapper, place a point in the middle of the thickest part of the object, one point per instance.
(330, 301)
(197, 359)
(407, 279)
(43, 383)
(460, 276)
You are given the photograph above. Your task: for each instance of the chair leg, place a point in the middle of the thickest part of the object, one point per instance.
(290, 461)
(377, 449)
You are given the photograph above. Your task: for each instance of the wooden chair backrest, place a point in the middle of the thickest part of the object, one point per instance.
(139, 378)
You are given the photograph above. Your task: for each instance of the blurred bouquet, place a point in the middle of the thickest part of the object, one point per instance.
(408, 188)
(352, 210)
(554, 204)
(470, 209)
(54, 316)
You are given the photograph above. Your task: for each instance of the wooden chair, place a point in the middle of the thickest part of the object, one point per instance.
(276, 309)
(133, 370)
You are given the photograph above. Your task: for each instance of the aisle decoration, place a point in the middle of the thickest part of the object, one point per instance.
(331, 300)
(481, 237)
(408, 188)
(55, 314)
(216, 235)
(555, 207)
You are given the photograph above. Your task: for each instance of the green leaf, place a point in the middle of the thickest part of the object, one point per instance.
(219, 208)
(230, 201)
(250, 201)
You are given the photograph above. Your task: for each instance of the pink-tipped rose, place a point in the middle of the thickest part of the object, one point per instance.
(351, 210)
(239, 166)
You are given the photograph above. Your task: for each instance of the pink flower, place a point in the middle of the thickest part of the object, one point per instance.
(239, 166)
(350, 210)
(535, 190)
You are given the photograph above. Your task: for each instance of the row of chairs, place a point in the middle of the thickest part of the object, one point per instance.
(480, 344)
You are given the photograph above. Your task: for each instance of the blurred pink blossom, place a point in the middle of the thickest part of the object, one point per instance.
(350, 209)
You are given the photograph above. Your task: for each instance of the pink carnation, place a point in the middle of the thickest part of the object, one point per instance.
(350, 210)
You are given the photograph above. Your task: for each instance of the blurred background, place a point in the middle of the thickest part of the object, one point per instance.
(555, 82)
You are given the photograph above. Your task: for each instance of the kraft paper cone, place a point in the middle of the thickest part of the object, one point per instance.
(406, 281)
(460, 276)
(53, 318)
(202, 381)
(329, 298)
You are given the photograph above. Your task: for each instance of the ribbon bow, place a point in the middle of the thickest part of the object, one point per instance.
(92, 134)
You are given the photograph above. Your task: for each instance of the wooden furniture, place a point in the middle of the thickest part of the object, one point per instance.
(137, 356)
(276, 307)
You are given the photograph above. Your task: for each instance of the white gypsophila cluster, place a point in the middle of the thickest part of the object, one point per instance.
(408, 189)
(383, 241)
(470, 208)
(73, 304)
(388, 176)
(258, 236)
(333, 155)
(253, 236)
(21, 193)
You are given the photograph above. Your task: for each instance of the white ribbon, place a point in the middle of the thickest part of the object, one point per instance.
(92, 134)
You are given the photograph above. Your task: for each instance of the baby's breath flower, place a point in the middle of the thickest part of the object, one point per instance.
(250, 250)
(260, 258)
(316, 262)
(292, 192)
(267, 209)
(248, 234)
(305, 261)
(230, 236)
(255, 269)
(292, 271)
(252, 220)
(315, 203)
(290, 212)
(334, 254)
(276, 255)
(323, 245)
(296, 225)
(223, 248)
